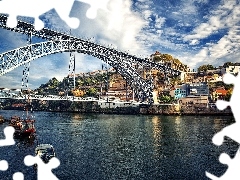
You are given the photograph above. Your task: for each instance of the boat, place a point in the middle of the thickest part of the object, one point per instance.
(15, 122)
(45, 152)
(25, 129)
(2, 120)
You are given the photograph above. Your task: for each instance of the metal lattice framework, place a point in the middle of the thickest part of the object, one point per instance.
(71, 71)
(125, 64)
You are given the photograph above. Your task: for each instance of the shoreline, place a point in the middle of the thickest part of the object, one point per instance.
(115, 108)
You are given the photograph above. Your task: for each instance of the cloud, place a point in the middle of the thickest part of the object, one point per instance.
(220, 18)
(223, 22)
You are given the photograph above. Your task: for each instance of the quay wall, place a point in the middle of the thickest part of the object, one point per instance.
(94, 107)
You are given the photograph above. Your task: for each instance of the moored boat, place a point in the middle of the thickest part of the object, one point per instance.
(27, 129)
(16, 122)
(45, 152)
(2, 120)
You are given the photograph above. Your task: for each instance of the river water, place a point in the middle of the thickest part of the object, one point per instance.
(101, 146)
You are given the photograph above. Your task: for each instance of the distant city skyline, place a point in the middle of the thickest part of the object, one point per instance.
(196, 32)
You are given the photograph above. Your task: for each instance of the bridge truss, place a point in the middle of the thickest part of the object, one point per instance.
(124, 63)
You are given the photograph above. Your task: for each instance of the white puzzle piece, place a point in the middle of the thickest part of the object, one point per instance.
(231, 131)
(8, 132)
(35, 8)
(44, 171)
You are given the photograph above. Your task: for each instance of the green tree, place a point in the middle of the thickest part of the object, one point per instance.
(205, 68)
(157, 59)
(228, 96)
(166, 98)
(227, 64)
(91, 92)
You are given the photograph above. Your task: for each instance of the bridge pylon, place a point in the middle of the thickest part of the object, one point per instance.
(71, 72)
(71, 69)
(26, 66)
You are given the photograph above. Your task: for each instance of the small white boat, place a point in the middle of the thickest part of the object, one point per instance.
(45, 152)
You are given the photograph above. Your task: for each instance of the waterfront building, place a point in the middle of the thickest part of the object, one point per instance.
(232, 70)
(218, 71)
(122, 95)
(116, 104)
(118, 89)
(213, 78)
(219, 94)
(199, 89)
(181, 91)
(194, 100)
(188, 77)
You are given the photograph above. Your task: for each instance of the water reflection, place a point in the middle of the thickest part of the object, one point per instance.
(26, 141)
(220, 122)
(157, 128)
(122, 147)
(157, 135)
(179, 126)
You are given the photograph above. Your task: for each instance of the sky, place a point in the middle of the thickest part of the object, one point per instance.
(196, 32)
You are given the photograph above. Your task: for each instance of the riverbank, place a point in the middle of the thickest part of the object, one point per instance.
(114, 107)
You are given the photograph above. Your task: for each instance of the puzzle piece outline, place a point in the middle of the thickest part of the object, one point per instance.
(230, 131)
(8, 141)
(44, 171)
(63, 8)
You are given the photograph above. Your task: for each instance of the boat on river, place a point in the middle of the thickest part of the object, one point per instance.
(2, 120)
(45, 152)
(26, 128)
(15, 122)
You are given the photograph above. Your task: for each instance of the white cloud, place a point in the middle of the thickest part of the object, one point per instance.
(159, 21)
(215, 22)
(121, 26)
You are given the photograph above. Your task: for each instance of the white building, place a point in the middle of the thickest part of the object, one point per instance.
(232, 69)
(116, 104)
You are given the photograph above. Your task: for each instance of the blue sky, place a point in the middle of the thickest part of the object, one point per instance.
(194, 31)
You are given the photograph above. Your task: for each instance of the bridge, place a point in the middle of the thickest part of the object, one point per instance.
(20, 96)
(55, 42)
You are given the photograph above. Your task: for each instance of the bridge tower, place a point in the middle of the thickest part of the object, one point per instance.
(26, 66)
(105, 67)
(71, 70)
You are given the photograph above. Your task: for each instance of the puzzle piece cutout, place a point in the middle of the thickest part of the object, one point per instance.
(8, 132)
(44, 171)
(18, 176)
(234, 101)
(231, 131)
(232, 172)
(35, 8)
(95, 5)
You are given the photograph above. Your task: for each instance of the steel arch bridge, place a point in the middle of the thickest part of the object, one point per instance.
(125, 64)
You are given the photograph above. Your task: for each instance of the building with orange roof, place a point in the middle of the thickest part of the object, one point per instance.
(219, 94)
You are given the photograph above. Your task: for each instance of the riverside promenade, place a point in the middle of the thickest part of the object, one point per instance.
(116, 107)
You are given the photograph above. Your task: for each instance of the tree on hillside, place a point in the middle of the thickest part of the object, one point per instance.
(166, 98)
(205, 68)
(227, 64)
(170, 61)
(157, 59)
(91, 92)
(175, 81)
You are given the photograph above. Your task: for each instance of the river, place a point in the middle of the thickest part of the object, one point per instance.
(103, 146)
